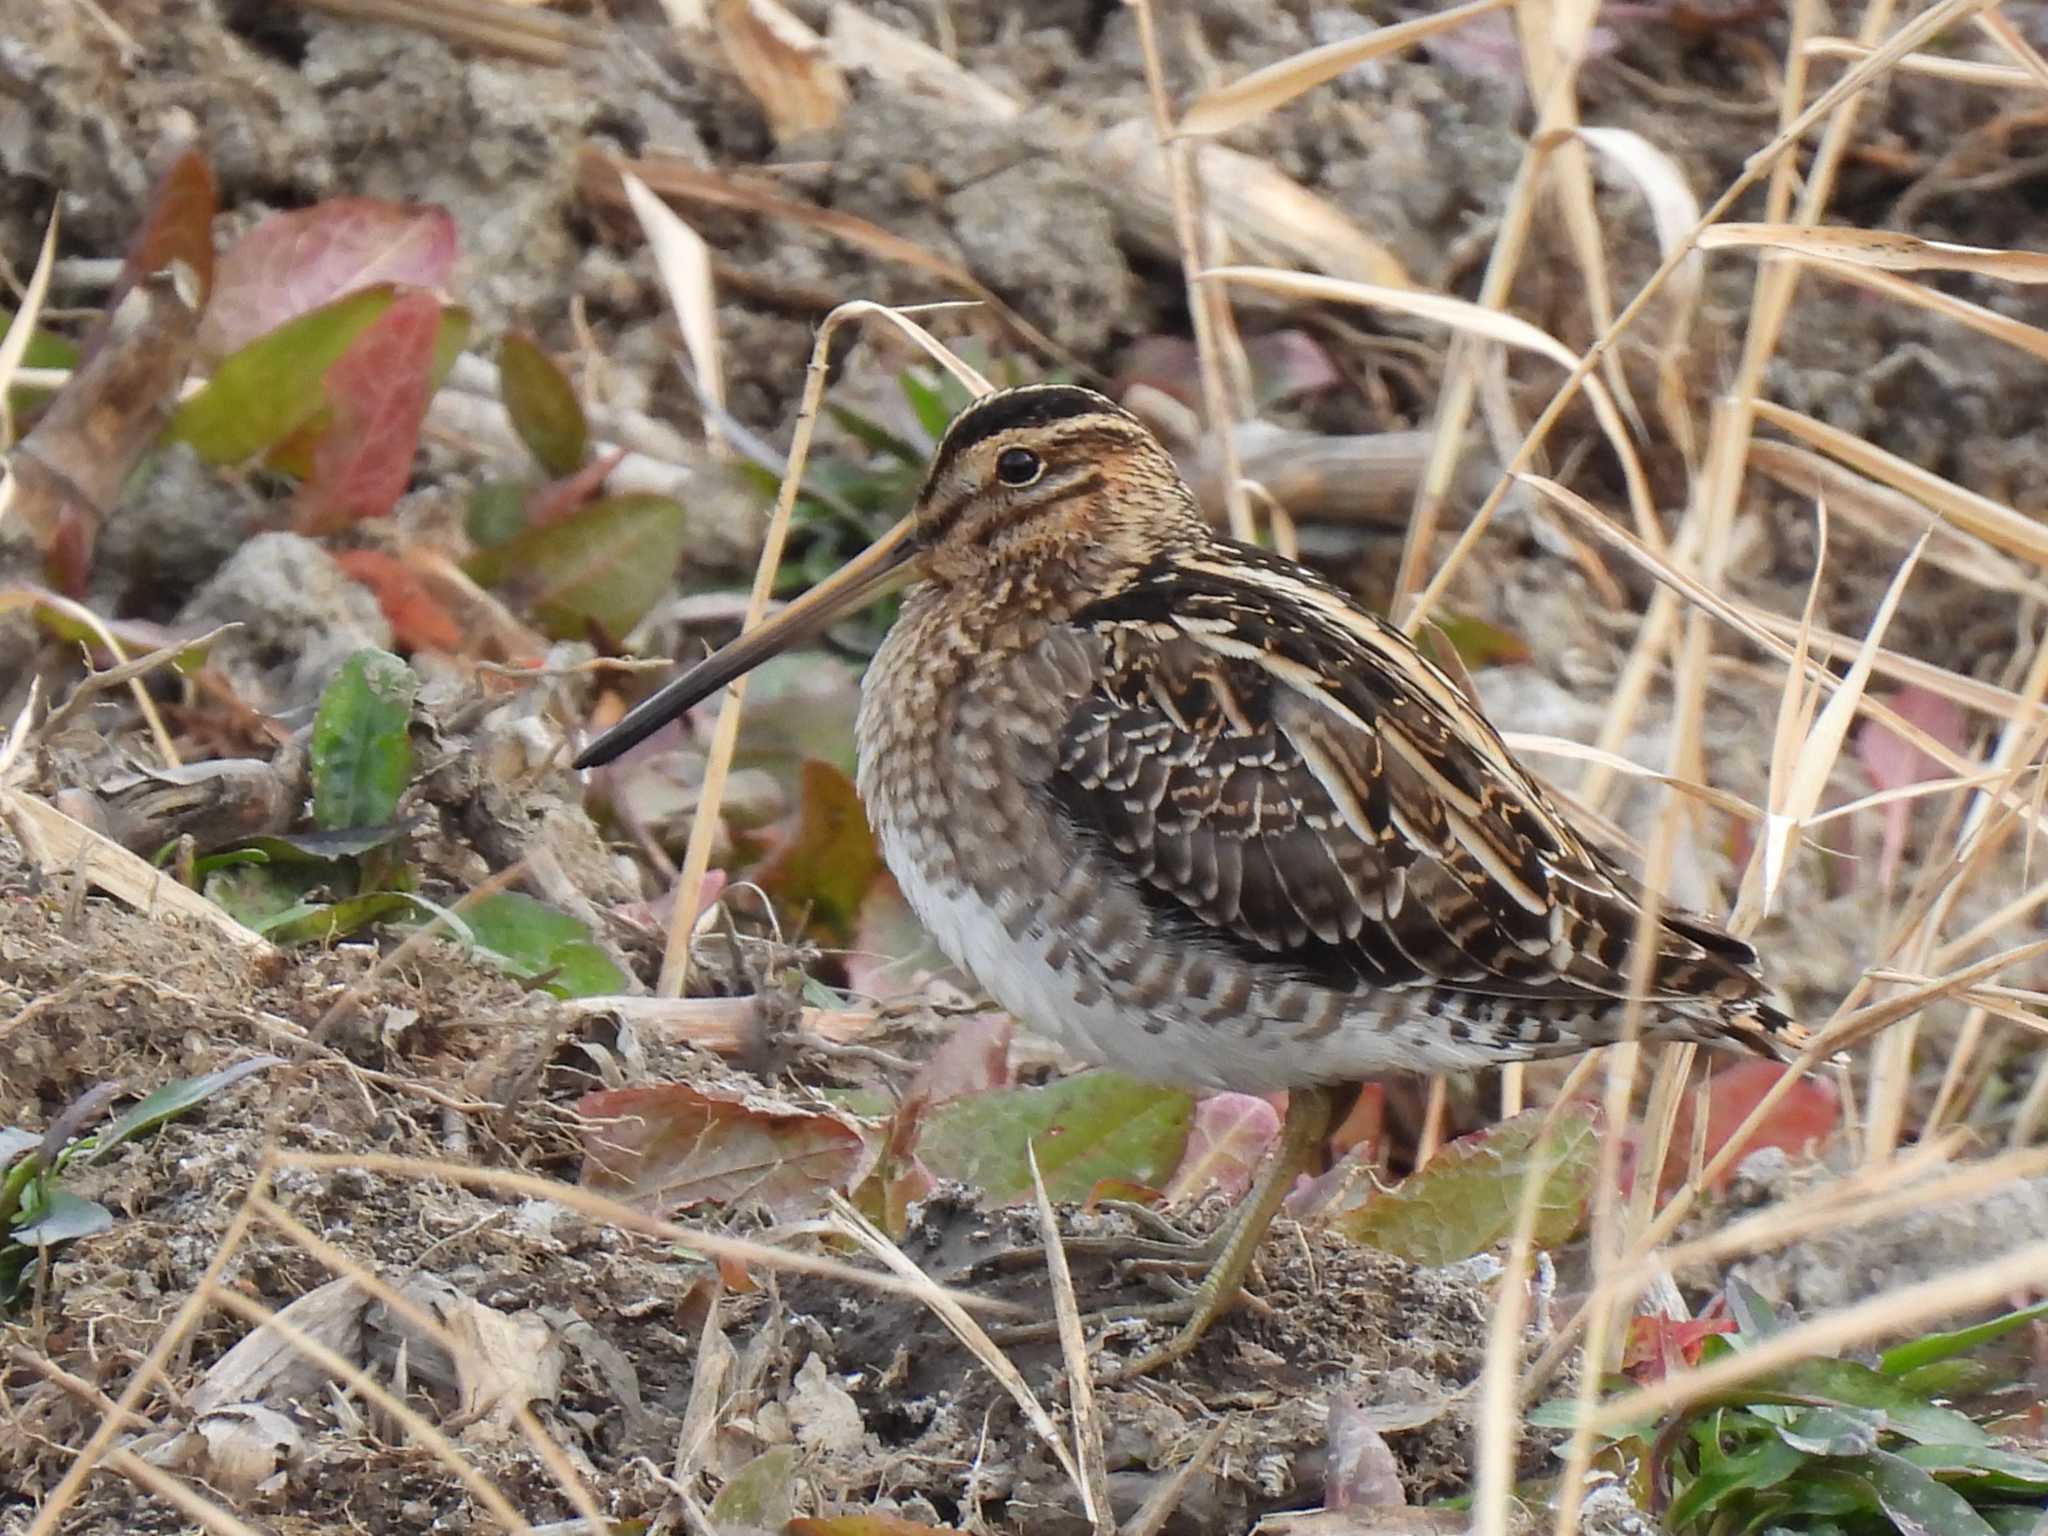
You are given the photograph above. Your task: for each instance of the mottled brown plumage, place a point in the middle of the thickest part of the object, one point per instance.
(1181, 804)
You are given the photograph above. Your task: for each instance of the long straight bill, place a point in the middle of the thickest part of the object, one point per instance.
(884, 564)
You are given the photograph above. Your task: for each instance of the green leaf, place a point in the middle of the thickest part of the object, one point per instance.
(1846, 1383)
(318, 922)
(1832, 1431)
(1930, 1347)
(320, 847)
(269, 389)
(601, 569)
(1953, 1378)
(1478, 643)
(1753, 1314)
(875, 437)
(63, 1219)
(759, 1494)
(172, 1100)
(1765, 1465)
(543, 405)
(530, 938)
(1087, 1128)
(496, 513)
(362, 742)
(1918, 1504)
(2000, 1470)
(1465, 1199)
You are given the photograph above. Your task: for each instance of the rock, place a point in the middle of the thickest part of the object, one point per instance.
(301, 617)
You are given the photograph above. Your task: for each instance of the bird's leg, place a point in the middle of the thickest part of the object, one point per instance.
(1308, 1121)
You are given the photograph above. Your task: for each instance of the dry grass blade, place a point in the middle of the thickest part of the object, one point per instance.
(1992, 521)
(1893, 518)
(675, 959)
(1882, 56)
(709, 1244)
(917, 1283)
(78, 613)
(1471, 320)
(95, 683)
(1823, 745)
(1229, 106)
(1674, 214)
(59, 846)
(1498, 1425)
(424, 1432)
(1988, 698)
(1966, 71)
(602, 175)
(151, 1370)
(1074, 1352)
(1536, 743)
(2009, 37)
(2017, 333)
(337, 1260)
(1888, 250)
(1152, 1516)
(14, 344)
(684, 261)
(784, 65)
(1208, 308)
(523, 31)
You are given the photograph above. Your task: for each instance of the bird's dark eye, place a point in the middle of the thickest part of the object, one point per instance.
(1018, 466)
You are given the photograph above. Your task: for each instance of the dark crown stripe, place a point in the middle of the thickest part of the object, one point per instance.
(1035, 405)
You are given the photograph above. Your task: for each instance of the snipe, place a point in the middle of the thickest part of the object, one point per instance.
(1177, 803)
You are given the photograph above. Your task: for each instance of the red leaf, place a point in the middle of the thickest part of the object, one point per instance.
(295, 262)
(1657, 1345)
(378, 392)
(1808, 1113)
(670, 1146)
(418, 620)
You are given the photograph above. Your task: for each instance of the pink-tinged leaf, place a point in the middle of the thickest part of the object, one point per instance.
(543, 405)
(561, 499)
(1232, 1134)
(377, 391)
(1465, 1199)
(1360, 1471)
(1808, 1114)
(975, 1058)
(1287, 365)
(1892, 762)
(892, 955)
(272, 387)
(294, 263)
(669, 1147)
